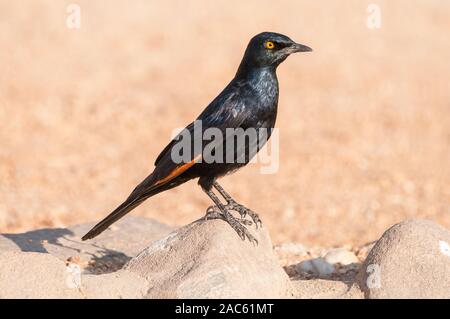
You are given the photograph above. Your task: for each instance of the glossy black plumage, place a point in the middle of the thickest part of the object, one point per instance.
(250, 100)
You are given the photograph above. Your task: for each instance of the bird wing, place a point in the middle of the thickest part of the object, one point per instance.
(169, 146)
(230, 109)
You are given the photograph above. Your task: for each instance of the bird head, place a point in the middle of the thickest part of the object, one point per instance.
(269, 49)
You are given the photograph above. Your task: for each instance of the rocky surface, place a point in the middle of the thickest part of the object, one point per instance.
(38, 275)
(104, 254)
(209, 260)
(337, 264)
(141, 258)
(55, 263)
(411, 260)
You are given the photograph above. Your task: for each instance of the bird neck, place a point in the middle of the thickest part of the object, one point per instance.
(263, 84)
(256, 74)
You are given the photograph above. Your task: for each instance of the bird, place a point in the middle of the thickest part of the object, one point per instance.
(249, 101)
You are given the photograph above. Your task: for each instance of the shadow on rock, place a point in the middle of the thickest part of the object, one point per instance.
(34, 241)
(62, 243)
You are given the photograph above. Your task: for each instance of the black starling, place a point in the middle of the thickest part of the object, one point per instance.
(249, 101)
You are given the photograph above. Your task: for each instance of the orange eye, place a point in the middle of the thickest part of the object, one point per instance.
(269, 45)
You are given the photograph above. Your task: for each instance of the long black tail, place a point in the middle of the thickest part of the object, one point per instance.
(137, 197)
(117, 214)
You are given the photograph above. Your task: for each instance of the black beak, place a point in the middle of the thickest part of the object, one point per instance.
(297, 47)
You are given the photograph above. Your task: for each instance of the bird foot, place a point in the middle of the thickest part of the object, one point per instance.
(214, 212)
(244, 211)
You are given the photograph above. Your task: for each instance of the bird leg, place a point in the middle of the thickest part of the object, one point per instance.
(233, 205)
(220, 211)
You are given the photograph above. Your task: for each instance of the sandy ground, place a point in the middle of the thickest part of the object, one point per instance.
(364, 121)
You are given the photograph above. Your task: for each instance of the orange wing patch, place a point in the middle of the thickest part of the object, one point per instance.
(178, 171)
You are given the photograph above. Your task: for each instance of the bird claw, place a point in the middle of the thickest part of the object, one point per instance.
(214, 212)
(244, 211)
(245, 234)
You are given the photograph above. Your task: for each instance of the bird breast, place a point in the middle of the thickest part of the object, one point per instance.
(265, 83)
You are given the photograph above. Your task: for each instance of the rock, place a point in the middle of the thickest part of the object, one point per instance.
(410, 260)
(38, 275)
(198, 260)
(209, 260)
(26, 275)
(317, 266)
(105, 253)
(118, 285)
(204, 259)
(55, 263)
(341, 256)
(323, 289)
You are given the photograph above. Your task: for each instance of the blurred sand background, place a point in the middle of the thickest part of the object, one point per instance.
(364, 120)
